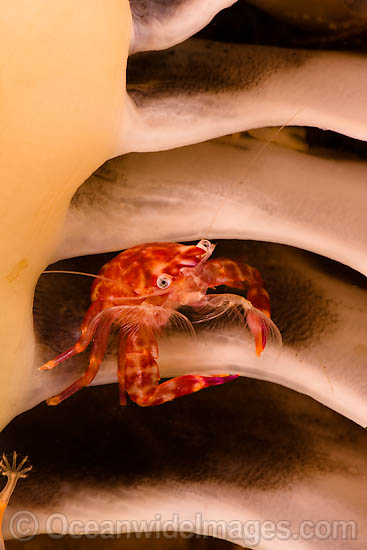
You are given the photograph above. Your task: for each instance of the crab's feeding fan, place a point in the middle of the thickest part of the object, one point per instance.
(156, 318)
(226, 311)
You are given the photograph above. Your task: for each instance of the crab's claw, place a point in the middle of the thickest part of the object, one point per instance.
(261, 327)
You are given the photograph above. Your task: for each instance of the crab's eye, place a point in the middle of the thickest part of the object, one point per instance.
(204, 244)
(164, 280)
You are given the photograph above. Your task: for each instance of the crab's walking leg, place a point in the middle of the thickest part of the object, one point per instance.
(222, 271)
(87, 329)
(13, 473)
(97, 354)
(142, 376)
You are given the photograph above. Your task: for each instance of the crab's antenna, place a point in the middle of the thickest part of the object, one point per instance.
(77, 273)
(118, 299)
(251, 163)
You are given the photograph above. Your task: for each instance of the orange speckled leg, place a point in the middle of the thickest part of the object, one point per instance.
(142, 376)
(87, 329)
(222, 271)
(97, 354)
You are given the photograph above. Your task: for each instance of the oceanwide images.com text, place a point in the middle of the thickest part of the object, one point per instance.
(25, 524)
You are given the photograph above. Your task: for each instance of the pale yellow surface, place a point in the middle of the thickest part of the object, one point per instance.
(62, 68)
